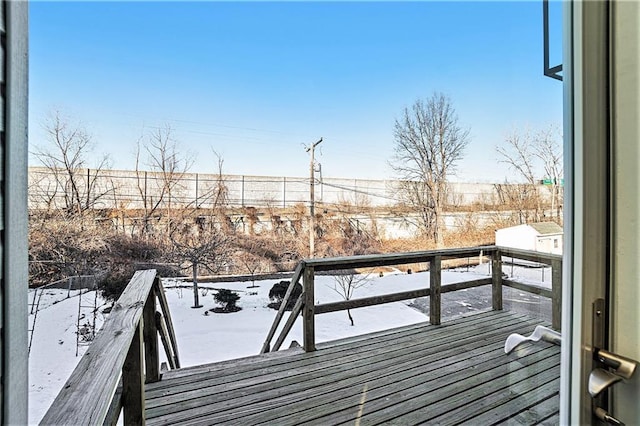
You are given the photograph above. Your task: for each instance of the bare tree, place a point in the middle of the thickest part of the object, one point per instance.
(219, 195)
(42, 191)
(519, 154)
(169, 165)
(65, 156)
(549, 150)
(531, 155)
(201, 246)
(522, 198)
(346, 282)
(201, 243)
(428, 143)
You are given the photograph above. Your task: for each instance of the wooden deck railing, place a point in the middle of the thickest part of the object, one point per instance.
(306, 270)
(122, 358)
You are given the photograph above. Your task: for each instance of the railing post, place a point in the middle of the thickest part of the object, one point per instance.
(164, 336)
(150, 332)
(496, 275)
(164, 306)
(308, 311)
(556, 291)
(435, 278)
(133, 382)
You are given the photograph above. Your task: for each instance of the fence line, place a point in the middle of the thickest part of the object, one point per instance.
(128, 189)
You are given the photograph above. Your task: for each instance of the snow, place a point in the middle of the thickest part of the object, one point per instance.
(242, 333)
(205, 337)
(53, 352)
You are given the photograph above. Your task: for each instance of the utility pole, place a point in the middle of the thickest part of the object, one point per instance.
(312, 219)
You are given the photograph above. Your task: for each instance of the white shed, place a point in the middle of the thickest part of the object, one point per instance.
(542, 236)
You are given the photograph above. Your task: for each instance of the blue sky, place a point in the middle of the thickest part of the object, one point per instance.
(256, 81)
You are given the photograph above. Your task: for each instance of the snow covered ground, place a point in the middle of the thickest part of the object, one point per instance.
(53, 350)
(205, 337)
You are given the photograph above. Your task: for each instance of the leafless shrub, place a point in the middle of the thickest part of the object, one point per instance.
(251, 261)
(62, 247)
(346, 282)
(468, 232)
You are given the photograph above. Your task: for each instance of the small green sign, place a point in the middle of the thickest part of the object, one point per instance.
(551, 182)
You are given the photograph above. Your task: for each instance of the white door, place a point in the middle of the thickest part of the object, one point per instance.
(602, 147)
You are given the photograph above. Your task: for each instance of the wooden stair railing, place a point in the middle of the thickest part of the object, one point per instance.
(124, 355)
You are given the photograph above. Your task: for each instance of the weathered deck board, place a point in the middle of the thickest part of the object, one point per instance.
(411, 402)
(326, 358)
(540, 413)
(447, 374)
(315, 387)
(270, 386)
(326, 351)
(224, 397)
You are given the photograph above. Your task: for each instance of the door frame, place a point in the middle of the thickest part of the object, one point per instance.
(587, 153)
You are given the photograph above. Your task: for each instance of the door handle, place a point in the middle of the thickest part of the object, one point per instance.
(620, 368)
(600, 380)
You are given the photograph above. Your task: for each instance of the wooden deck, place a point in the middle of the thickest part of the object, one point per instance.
(454, 373)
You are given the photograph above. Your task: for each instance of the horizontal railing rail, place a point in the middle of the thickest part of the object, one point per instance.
(532, 256)
(122, 358)
(395, 297)
(307, 269)
(391, 259)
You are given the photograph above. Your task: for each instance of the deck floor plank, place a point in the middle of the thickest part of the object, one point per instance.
(536, 414)
(348, 361)
(467, 404)
(318, 393)
(419, 401)
(503, 412)
(392, 351)
(448, 374)
(497, 391)
(328, 352)
(553, 420)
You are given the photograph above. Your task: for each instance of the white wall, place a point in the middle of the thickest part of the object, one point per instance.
(521, 236)
(549, 244)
